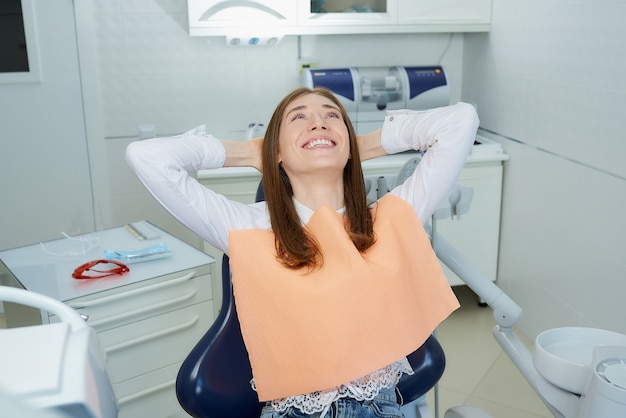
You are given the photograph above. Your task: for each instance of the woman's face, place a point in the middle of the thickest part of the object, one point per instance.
(313, 136)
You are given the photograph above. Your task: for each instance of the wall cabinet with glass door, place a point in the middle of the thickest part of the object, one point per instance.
(393, 16)
(349, 16)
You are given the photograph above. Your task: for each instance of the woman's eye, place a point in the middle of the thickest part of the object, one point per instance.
(298, 116)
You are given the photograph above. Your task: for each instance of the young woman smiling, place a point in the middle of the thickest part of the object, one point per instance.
(332, 294)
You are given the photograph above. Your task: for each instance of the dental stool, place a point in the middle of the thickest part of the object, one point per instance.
(56, 368)
(214, 379)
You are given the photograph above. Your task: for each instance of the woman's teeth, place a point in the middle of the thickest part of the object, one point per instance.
(319, 142)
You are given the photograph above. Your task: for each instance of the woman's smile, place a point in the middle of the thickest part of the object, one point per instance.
(319, 142)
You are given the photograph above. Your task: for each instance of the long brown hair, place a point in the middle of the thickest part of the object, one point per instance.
(295, 247)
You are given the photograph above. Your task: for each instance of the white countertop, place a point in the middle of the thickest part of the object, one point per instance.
(47, 268)
(486, 152)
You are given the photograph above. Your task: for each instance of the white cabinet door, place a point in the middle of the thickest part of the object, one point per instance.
(419, 12)
(476, 234)
(212, 17)
(344, 13)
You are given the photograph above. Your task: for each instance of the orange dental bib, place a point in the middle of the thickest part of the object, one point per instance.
(309, 331)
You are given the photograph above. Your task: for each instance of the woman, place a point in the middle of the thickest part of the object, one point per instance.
(331, 294)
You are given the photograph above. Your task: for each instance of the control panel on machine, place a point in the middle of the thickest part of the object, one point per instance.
(368, 92)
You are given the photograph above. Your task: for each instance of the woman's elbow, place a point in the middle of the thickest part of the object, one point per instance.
(138, 155)
(467, 112)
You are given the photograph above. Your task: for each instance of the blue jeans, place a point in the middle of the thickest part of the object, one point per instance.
(386, 405)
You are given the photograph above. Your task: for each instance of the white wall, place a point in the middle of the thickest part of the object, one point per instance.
(548, 81)
(149, 70)
(45, 183)
(549, 84)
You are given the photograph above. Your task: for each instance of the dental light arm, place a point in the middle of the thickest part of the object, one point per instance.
(505, 311)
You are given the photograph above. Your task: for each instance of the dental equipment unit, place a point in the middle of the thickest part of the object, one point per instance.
(576, 372)
(368, 92)
(56, 369)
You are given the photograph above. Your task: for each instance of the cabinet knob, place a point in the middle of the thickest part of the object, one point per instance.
(85, 317)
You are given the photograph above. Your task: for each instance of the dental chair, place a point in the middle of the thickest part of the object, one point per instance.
(214, 379)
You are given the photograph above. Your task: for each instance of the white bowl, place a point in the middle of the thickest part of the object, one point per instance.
(564, 356)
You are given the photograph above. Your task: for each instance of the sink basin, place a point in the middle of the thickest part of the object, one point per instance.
(564, 356)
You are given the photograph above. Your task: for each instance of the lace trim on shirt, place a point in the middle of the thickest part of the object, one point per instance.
(364, 388)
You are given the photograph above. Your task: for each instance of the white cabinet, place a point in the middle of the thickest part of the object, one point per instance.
(147, 321)
(226, 17)
(317, 17)
(476, 235)
(444, 12)
(149, 330)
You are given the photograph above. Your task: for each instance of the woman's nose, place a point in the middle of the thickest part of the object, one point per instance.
(318, 122)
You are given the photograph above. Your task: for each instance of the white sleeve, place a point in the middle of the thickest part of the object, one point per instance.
(446, 136)
(164, 165)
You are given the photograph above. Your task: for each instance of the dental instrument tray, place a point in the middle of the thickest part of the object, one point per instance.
(564, 356)
(152, 252)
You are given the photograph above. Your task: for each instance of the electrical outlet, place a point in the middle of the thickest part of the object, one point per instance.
(304, 63)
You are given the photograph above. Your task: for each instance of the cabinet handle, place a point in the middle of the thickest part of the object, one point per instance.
(226, 5)
(146, 392)
(153, 307)
(131, 293)
(153, 336)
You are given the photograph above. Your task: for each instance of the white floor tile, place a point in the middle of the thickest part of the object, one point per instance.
(478, 373)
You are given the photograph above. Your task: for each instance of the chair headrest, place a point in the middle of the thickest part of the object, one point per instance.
(260, 195)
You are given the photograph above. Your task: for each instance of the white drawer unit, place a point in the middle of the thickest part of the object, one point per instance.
(162, 294)
(153, 343)
(151, 393)
(146, 320)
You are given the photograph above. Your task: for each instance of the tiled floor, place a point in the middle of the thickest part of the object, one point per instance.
(478, 373)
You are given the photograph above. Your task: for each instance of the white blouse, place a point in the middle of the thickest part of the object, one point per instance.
(164, 165)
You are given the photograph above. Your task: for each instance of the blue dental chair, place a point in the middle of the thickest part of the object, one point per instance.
(214, 379)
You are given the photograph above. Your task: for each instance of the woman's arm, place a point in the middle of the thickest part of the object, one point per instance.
(243, 154)
(370, 146)
(446, 136)
(164, 166)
